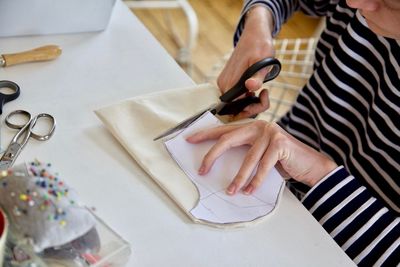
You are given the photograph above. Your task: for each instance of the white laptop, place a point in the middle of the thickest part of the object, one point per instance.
(36, 17)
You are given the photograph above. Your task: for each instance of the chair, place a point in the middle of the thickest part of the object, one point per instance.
(186, 46)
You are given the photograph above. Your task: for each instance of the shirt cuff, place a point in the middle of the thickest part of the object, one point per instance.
(322, 188)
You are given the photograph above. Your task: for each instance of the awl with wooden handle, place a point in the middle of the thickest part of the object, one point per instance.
(42, 53)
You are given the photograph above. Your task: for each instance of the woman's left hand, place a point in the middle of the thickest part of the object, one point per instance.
(270, 146)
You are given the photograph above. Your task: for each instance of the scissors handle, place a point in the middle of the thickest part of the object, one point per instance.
(43, 137)
(29, 125)
(240, 88)
(237, 106)
(5, 97)
(22, 136)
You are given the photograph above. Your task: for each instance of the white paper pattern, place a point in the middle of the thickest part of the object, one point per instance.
(215, 205)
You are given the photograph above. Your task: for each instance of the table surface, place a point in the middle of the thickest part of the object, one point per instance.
(100, 68)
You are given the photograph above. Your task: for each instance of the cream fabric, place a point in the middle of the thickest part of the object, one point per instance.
(135, 122)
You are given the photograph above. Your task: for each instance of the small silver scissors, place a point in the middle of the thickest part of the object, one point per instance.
(24, 133)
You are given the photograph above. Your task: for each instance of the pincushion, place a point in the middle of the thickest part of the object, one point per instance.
(41, 208)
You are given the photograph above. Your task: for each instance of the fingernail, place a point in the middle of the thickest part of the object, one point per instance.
(249, 189)
(231, 189)
(201, 170)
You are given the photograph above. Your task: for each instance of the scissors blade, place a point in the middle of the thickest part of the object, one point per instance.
(5, 165)
(10, 155)
(227, 104)
(185, 123)
(220, 108)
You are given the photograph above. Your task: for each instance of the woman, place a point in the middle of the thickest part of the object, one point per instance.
(340, 143)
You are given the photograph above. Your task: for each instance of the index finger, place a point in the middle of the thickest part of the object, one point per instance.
(211, 134)
(225, 142)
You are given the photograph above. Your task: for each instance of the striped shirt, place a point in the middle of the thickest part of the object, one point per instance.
(350, 111)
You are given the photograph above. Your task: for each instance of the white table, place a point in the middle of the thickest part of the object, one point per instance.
(97, 69)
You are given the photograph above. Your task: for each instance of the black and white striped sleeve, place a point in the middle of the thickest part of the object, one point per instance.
(280, 10)
(283, 10)
(367, 230)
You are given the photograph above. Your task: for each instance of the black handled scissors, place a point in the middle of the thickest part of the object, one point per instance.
(228, 105)
(26, 130)
(5, 96)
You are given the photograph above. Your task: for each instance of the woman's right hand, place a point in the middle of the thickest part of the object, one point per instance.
(254, 44)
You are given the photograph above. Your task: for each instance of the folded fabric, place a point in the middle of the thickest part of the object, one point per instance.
(135, 122)
(41, 207)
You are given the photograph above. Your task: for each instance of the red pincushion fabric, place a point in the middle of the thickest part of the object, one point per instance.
(1, 223)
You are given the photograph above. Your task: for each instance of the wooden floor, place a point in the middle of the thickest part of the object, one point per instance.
(217, 22)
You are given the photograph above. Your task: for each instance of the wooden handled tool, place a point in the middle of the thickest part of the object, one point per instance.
(42, 53)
